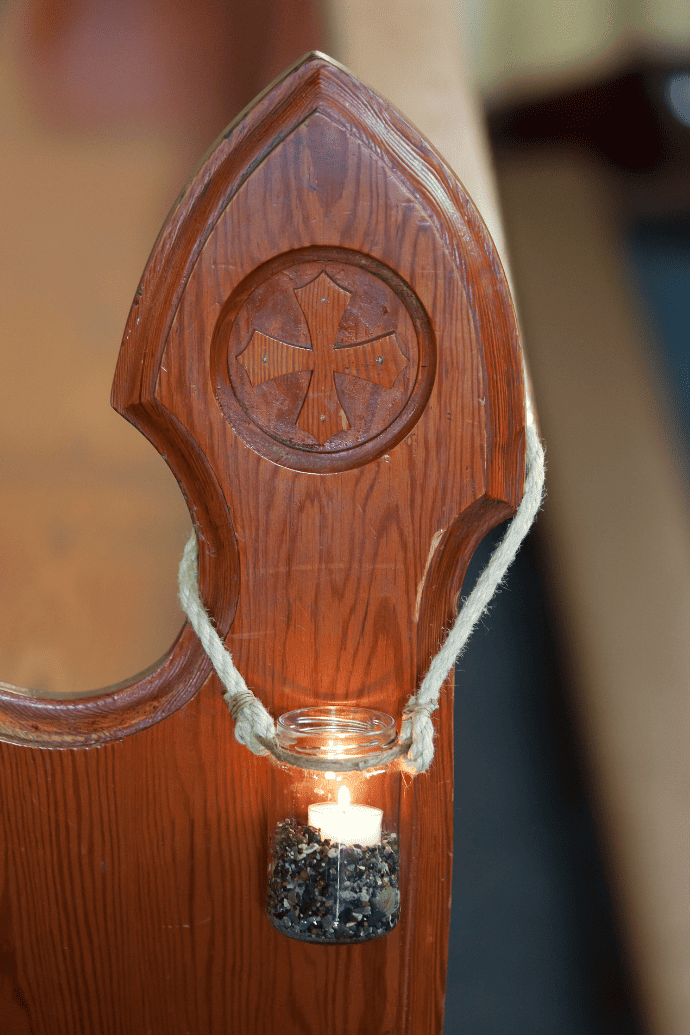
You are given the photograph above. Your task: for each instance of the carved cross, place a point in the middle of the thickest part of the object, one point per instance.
(378, 359)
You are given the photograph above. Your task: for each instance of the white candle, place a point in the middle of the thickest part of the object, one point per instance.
(346, 823)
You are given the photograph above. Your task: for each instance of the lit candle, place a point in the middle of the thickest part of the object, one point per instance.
(346, 823)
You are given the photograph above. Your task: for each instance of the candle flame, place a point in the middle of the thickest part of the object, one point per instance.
(344, 797)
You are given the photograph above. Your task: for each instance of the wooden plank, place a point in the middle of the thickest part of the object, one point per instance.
(157, 845)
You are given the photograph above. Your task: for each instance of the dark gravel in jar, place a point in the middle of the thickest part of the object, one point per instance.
(322, 891)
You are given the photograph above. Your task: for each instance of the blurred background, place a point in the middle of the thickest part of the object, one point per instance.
(570, 125)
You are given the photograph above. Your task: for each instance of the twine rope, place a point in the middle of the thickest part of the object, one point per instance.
(254, 726)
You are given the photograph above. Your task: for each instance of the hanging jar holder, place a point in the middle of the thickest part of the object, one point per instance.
(254, 726)
(334, 854)
(333, 832)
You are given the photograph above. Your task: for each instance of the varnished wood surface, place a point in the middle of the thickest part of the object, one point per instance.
(134, 891)
(136, 871)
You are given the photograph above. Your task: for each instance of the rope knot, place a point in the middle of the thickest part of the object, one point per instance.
(237, 702)
(254, 726)
(418, 729)
(416, 707)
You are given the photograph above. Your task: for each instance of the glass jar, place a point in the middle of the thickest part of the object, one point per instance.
(334, 853)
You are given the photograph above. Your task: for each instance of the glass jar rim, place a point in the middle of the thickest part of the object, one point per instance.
(337, 731)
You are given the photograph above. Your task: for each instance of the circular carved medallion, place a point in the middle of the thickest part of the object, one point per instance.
(322, 359)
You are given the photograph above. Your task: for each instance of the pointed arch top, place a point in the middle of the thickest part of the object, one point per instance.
(318, 178)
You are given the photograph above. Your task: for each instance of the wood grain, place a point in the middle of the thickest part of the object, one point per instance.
(331, 565)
